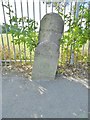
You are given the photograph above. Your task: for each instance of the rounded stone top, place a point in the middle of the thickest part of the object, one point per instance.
(52, 22)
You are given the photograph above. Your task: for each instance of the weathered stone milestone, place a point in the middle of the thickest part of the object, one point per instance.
(47, 51)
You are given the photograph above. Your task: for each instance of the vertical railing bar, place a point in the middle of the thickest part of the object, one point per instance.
(22, 14)
(62, 47)
(34, 22)
(88, 41)
(6, 32)
(28, 25)
(23, 30)
(88, 54)
(75, 39)
(27, 10)
(3, 48)
(15, 8)
(60, 50)
(64, 9)
(76, 52)
(77, 9)
(81, 22)
(70, 28)
(39, 10)
(34, 10)
(46, 7)
(17, 24)
(77, 12)
(12, 35)
(52, 7)
(63, 36)
(72, 52)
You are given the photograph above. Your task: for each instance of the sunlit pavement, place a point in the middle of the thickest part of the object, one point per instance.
(60, 98)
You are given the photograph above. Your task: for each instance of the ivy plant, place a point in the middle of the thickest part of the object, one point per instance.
(23, 31)
(78, 28)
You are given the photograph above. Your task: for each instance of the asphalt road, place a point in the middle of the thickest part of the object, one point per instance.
(60, 98)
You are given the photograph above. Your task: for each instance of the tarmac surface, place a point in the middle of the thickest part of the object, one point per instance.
(59, 98)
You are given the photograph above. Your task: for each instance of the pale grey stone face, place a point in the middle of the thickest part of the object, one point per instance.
(47, 51)
(51, 28)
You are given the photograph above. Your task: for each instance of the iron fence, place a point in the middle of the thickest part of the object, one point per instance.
(9, 52)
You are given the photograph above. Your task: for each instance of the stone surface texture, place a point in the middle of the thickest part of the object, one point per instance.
(47, 51)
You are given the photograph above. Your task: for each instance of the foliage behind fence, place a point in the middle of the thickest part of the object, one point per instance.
(19, 34)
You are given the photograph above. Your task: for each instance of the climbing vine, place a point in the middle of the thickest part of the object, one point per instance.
(22, 29)
(78, 30)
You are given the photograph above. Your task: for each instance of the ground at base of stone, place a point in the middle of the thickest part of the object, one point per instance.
(79, 73)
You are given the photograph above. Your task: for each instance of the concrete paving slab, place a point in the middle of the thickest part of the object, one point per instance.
(59, 98)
